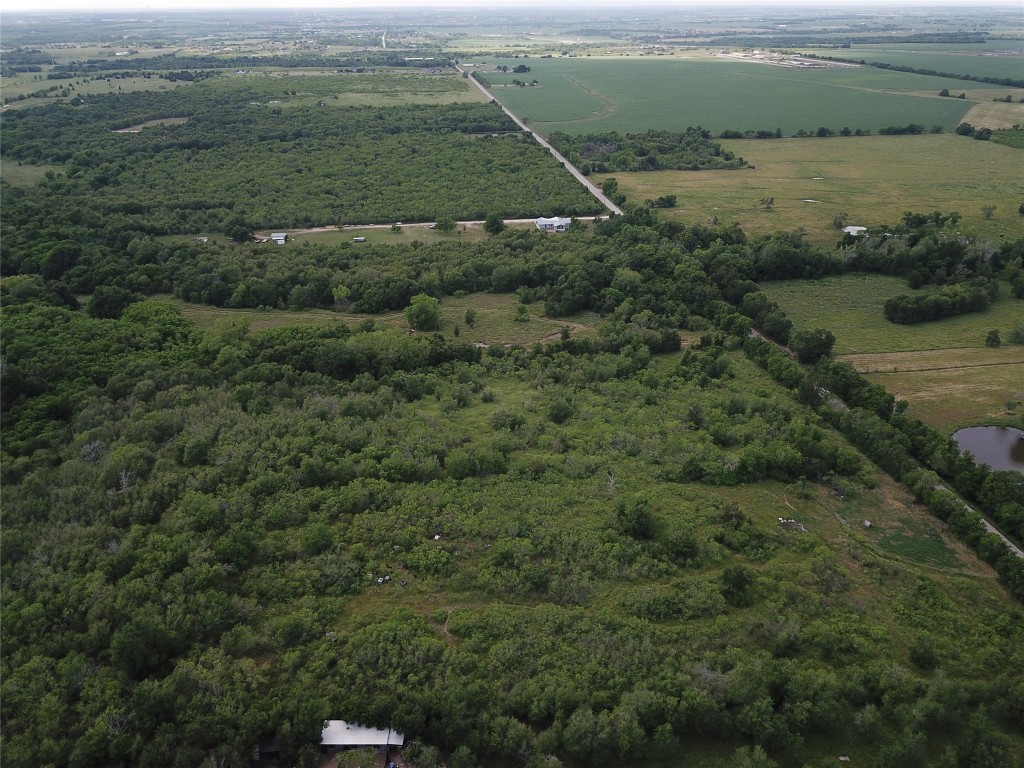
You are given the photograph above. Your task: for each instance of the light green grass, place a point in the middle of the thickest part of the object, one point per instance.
(85, 87)
(851, 306)
(22, 175)
(873, 179)
(942, 369)
(634, 94)
(494, 324)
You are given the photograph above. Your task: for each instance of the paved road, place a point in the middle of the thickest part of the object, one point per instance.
(419, 224)
(591, 187)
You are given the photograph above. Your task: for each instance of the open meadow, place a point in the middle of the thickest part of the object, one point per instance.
(873, 179)
(585, 95)
(495, 320)
(942, 368)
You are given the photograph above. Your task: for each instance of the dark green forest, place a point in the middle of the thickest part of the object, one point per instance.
(580, 561)
(639, 546)
(689, 150)
(272, 166)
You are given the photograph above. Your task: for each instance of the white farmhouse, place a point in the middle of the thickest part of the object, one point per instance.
(556, 224)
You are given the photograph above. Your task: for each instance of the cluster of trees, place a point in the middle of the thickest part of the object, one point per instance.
(924, 251)
(824, 132)
(981, 134)
(949, 300)
(185, 541)
(691, 150)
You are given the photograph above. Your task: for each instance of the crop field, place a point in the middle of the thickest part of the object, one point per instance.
(634, 94)
(963, 61)
(942, 368)
(873, 179)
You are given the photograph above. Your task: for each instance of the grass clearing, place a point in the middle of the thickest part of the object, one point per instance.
(941, 368)
(872, 179)
(23, 174)
(495, 320)
(996, 114)
(961, 395)
(83, 87)
(406, 235)
(912, 540)
(851, 305)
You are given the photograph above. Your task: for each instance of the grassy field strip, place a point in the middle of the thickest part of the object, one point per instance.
(996, 114)
(936, 360)
(942, 369)
(495, 321)
(951, 398)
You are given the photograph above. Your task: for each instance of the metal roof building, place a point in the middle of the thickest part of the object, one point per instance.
(338, 733)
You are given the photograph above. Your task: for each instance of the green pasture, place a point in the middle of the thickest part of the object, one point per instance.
(382, 235)
(633, 94)
(962, 61)
(23, 175)
(851, 306)
(495, 321)
(949, 389)
(288, 87)
(873, 179)
(941, 368)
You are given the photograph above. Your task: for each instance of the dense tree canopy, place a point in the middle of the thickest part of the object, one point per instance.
(570, 553)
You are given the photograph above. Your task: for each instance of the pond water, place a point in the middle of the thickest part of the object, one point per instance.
(999, 447)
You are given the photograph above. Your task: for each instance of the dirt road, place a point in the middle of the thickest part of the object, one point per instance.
(591, 187)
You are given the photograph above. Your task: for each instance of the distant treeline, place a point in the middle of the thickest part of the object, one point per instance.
(822, 132)
(837, 39)
(422, 59)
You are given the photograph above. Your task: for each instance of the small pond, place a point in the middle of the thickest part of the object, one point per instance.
(999, 447)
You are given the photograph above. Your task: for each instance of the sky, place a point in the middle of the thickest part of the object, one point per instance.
(144, 5)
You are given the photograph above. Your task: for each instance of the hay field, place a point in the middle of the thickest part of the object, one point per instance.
(873, 179)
